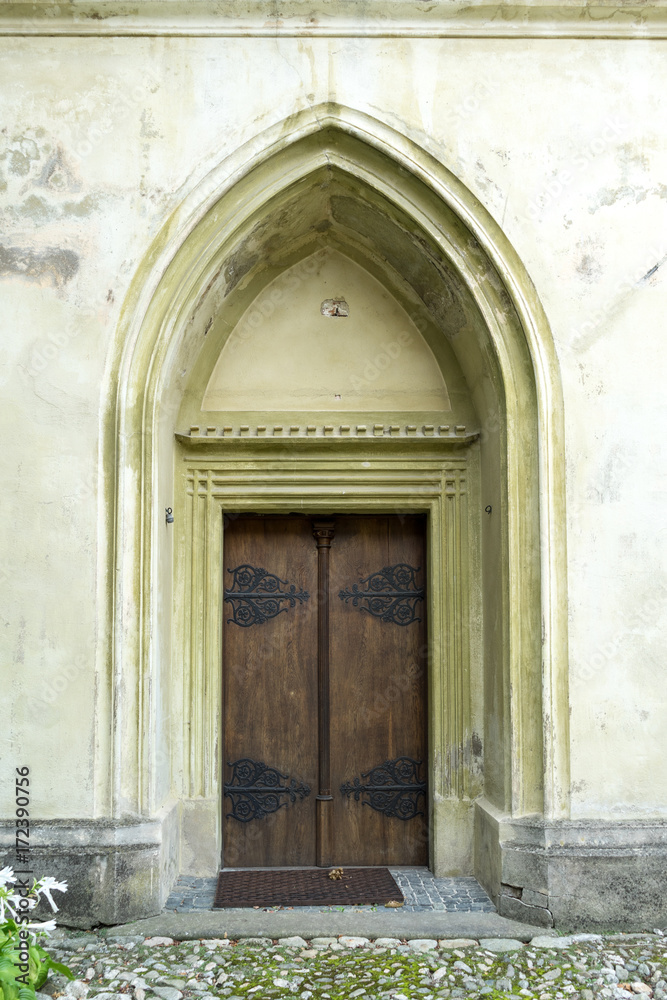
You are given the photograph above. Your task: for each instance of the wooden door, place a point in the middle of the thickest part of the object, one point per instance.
(324, 691)
(269, 692)
(378, 691)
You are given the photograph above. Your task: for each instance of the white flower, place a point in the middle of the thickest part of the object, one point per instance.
(11, 903)
(31, 901)
(46, 885)
(7, 875)
(15, 904)
(45, 927)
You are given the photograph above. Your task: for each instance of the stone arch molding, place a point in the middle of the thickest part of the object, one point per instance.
(510, 361)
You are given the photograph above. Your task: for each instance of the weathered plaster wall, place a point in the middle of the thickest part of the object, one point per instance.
(563, 141)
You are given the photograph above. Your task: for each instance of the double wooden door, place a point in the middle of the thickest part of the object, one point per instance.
(324, 691)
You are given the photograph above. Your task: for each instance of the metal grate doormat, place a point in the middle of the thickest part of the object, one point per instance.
(305, 887)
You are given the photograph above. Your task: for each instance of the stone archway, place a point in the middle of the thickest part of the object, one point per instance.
(408, 217)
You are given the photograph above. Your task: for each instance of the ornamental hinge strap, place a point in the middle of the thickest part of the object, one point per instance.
(256, 596)
(257, 789)
(394, 788)
(391, 594)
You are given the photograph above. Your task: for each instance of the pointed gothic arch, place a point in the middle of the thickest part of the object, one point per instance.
(227, 231)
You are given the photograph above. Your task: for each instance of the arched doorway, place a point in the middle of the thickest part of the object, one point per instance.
(492, 489)
(351, 416)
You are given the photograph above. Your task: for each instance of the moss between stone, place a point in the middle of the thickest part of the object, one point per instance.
(370, 972)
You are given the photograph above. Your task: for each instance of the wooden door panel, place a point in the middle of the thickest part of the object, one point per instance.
(269, 692)
(378, 690)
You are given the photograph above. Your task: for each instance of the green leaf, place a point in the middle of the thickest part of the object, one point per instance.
(39, 963)
(38, 970)
(59, 967)
(7, 971)
(10, 991)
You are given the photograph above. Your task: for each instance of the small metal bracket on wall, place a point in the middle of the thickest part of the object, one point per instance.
(168, 515)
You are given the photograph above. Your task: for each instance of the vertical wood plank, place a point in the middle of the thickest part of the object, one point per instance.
(323, 532)
(270, 694)
(378, 690)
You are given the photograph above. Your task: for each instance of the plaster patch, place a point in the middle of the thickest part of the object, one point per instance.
(148, 130)
(53, 263)
(238, 266)
(80, 208)
(589, 268)
(487, 184)
(21, 155)
(37, 209)
(56, 174)
(628, 192)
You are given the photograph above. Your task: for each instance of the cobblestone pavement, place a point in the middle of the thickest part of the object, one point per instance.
(421, 890)
(582, 966)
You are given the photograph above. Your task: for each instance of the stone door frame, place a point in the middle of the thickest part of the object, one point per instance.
(222, 481)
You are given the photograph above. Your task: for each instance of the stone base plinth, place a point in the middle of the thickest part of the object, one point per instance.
(584, 875)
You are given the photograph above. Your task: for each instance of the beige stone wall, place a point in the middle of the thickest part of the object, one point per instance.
(561, 140)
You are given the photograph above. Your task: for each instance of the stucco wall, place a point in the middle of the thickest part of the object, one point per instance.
(563, 141)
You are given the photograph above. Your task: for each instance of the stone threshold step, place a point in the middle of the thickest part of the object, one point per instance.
(286, 923)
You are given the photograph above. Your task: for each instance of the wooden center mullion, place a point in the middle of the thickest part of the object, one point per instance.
(323, 532)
